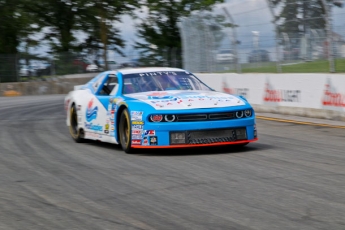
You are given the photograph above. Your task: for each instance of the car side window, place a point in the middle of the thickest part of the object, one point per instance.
(109, 85)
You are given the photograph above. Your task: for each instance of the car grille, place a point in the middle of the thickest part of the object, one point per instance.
(205, 117)
(210, 136)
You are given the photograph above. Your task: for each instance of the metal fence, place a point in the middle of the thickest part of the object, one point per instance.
(254, 45)
(20, 67)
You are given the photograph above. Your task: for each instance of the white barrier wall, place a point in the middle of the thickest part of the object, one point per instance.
(312, 95)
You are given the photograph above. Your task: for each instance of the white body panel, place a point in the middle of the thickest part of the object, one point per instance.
(96, 121)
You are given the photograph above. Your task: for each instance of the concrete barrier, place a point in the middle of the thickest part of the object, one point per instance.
(61, 85)
(308, 95)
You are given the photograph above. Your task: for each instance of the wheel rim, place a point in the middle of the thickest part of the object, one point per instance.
(74, 122)
(125, 132)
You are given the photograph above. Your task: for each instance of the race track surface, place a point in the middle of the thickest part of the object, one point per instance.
(292, 178)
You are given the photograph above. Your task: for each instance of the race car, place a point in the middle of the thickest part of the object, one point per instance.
(157, 108)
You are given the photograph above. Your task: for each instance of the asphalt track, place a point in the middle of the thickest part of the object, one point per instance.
(292, 178)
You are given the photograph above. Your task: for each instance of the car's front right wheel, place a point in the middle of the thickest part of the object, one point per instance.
(125, 131)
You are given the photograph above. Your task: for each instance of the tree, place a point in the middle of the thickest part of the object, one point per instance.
(59, 19)
(160, 32)
(298, 16)
(99, 24)
(14, 27)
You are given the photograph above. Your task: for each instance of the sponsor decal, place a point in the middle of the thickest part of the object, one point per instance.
(331, 97)
(236, 91)
(153, 140)
(149, 132)
(106, 128)
(91, 111)
(277, 95)
(183, 99)
(137, 137)
(137, 115)
(90, 126)
(137, 127)
(136, 131)
(137, 122)
(92, 135)
(136, 142)
(145, 141)
(112, 128)
(158, 73)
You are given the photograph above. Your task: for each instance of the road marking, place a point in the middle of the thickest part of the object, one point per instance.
(300, 122)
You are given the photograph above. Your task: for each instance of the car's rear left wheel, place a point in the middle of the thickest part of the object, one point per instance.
(125, 131)
(73, 127)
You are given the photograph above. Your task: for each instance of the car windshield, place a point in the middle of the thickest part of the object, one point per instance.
(161, 81)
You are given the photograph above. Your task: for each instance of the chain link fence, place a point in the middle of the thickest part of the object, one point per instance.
(253, 45)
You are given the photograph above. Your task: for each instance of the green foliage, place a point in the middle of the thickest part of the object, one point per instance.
(14, 26)
(297, 16)
(317, 66)
(99, 25)
(160, 32)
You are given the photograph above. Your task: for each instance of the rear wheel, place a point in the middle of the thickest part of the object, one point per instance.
(73, 127)
(125, 131)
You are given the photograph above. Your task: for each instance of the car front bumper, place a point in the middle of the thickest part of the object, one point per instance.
(211, 133)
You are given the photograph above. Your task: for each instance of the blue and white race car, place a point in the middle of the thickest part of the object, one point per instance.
(157, 108)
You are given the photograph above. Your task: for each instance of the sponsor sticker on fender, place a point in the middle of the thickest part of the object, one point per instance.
(153, 140)
(136, 131)
(150, 132)
(137, 137)
(137, 127)
(136, 142)
(145, 141)
(137, 115)
(137, 122)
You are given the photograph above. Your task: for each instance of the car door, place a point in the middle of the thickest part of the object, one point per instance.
(108, 88)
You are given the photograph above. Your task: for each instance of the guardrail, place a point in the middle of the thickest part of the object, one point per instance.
(57, 85)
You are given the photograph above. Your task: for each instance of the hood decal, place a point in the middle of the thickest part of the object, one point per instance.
(182, 99)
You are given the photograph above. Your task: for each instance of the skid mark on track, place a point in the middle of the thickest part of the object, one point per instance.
(300, 122)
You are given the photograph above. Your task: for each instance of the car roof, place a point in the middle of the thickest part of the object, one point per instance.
(147, 70)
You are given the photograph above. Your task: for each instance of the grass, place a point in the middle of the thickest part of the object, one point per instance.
(320, 66)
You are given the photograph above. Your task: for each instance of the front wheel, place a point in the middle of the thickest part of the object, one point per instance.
(125, 131)
(73, 127)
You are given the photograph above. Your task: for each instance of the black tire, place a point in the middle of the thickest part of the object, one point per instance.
(75, 132)
(125, 131)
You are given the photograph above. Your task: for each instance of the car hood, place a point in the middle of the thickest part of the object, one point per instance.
(186, 99)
